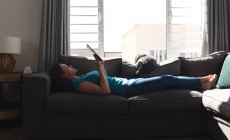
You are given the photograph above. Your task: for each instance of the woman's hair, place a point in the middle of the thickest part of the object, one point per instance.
(59, 83)
(56, 71)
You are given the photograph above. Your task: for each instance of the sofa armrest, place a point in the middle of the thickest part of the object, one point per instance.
(37, 83)
(36, 88)
(218, 101)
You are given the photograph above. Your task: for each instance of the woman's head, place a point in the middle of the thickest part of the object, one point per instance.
(63, 71)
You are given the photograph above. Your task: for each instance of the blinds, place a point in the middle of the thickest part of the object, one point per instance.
(86, 26)
(185, 25)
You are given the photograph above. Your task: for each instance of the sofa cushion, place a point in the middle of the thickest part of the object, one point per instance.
(218, 101)
(75, 103)
(84, 65)
(128, 70)
(202, 66)
(167, 100)
(113, 66)
(224, 78)
(168, 67)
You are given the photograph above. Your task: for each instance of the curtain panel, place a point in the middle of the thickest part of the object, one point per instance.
(54, 33)
(218, 22)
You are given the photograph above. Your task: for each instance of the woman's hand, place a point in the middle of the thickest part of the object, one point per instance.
(99, 64)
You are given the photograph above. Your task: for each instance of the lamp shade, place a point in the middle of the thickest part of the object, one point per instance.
(10, 45)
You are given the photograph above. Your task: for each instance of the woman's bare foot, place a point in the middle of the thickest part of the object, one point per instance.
(206, 78)
(208, 84)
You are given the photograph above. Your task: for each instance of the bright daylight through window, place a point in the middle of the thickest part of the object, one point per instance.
(126, 28)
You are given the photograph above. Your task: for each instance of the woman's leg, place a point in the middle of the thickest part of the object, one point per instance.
(146, 85)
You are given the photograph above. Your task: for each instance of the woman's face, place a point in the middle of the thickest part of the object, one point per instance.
(68, 70)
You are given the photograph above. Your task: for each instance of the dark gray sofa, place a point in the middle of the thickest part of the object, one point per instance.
(52, 112)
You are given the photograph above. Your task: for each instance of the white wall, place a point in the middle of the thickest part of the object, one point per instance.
(22, 18)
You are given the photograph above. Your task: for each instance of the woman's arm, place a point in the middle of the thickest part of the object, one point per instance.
(104, 85)
(91, 88)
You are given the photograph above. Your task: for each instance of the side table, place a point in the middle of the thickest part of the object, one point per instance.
(10, 83)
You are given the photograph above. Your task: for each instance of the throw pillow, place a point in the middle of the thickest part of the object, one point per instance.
(168, 67)
(202, 66)
(224, 78)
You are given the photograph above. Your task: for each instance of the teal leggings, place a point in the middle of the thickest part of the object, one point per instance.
(146, 85)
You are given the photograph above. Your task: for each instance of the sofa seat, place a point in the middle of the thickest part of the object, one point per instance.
(218, 101)
(167, 101)
(74, 103)
(161, 101)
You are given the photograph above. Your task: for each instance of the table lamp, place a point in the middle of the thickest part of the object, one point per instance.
(8, 46)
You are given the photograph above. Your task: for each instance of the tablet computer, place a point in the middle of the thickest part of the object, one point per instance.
(96, 56)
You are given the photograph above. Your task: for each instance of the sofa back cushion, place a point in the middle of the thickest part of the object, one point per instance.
(168, 67)
(128, 70)
(113, 67)
(84, 65)
(201, 66)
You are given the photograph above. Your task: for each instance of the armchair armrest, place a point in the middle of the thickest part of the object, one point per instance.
(36, 88)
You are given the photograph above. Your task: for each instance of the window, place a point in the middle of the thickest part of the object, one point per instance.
(86, 26)
(162, 28)
(185, 27)
(135, 28)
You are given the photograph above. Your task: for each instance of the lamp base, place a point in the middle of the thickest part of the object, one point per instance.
(7, 63)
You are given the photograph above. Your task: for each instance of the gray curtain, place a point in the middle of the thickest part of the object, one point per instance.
(218, 21)
(54, 33)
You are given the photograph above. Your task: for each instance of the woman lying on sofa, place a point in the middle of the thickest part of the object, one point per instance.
(97, 82)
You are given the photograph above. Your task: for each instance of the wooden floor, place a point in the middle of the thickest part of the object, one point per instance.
(11, 134)
(12, 130)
